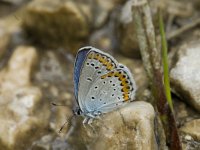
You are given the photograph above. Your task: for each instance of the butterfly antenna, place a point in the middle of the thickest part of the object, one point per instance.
(67, 121)
(61, 128)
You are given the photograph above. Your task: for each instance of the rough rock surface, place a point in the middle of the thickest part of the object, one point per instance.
(185, 76)
(65, 23)
(20, 102)
(130, 127)
(127, 36)
(192, 128)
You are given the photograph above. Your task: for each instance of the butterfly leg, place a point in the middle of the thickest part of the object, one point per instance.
(90, 120)
(85, 121)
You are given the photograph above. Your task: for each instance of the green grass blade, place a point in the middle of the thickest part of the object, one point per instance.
(165, 62)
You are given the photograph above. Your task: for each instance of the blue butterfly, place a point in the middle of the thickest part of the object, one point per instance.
(101, 84)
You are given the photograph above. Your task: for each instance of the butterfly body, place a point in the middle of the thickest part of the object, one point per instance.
(101, 84)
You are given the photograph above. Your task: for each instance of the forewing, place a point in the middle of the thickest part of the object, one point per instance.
(95, 65)
(79, 61)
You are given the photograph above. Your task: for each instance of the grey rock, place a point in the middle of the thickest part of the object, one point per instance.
(61, 23)
(21, 118)
(192, 128)
(185, 75)
(127, 36)
(129, 127)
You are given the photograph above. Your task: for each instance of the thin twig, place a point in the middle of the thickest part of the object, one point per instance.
(183, 29)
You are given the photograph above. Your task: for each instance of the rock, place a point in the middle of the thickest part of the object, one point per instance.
(43, 143)
(9, 29)
(4, 41)
(60, 23)
(127, 37)
(21, 118)
(185, 77)
(126, 30)
(130, 127)
(102, 10)
(192, 128)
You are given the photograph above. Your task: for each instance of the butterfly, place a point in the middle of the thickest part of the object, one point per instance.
(101, 84)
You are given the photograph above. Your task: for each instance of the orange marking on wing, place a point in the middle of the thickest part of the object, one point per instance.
(104, 76)
(122, 77)
(110, 74)
(102, 59)
(117, 74)
(125, 89)
(126, 97)
(124, 82)
(105, 62)
(96, 56)
(90, 56)
(110, 66)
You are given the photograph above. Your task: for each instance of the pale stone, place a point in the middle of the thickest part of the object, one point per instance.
(129, 127)
(185, 76)
(65, 23)
(192, 128)
(21, 118)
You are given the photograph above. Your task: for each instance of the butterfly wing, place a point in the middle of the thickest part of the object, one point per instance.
(81, 56)
(111, 90)
(95, 64)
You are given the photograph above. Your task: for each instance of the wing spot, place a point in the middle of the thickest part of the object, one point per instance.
(92, 97)
(100, 99)
(104, 103)
(114, 89)
(104, 82)
(110, 81)
(113, 85)
(89, 79)
(97, 67)
(118, 98)
(99, 72)
(88, 64)
(113, 95)
(95, 87)
(92, 64)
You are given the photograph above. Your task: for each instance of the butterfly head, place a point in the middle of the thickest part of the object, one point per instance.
(77, 111)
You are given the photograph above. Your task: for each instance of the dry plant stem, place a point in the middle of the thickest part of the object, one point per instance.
(151, 60)
(183, 29)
